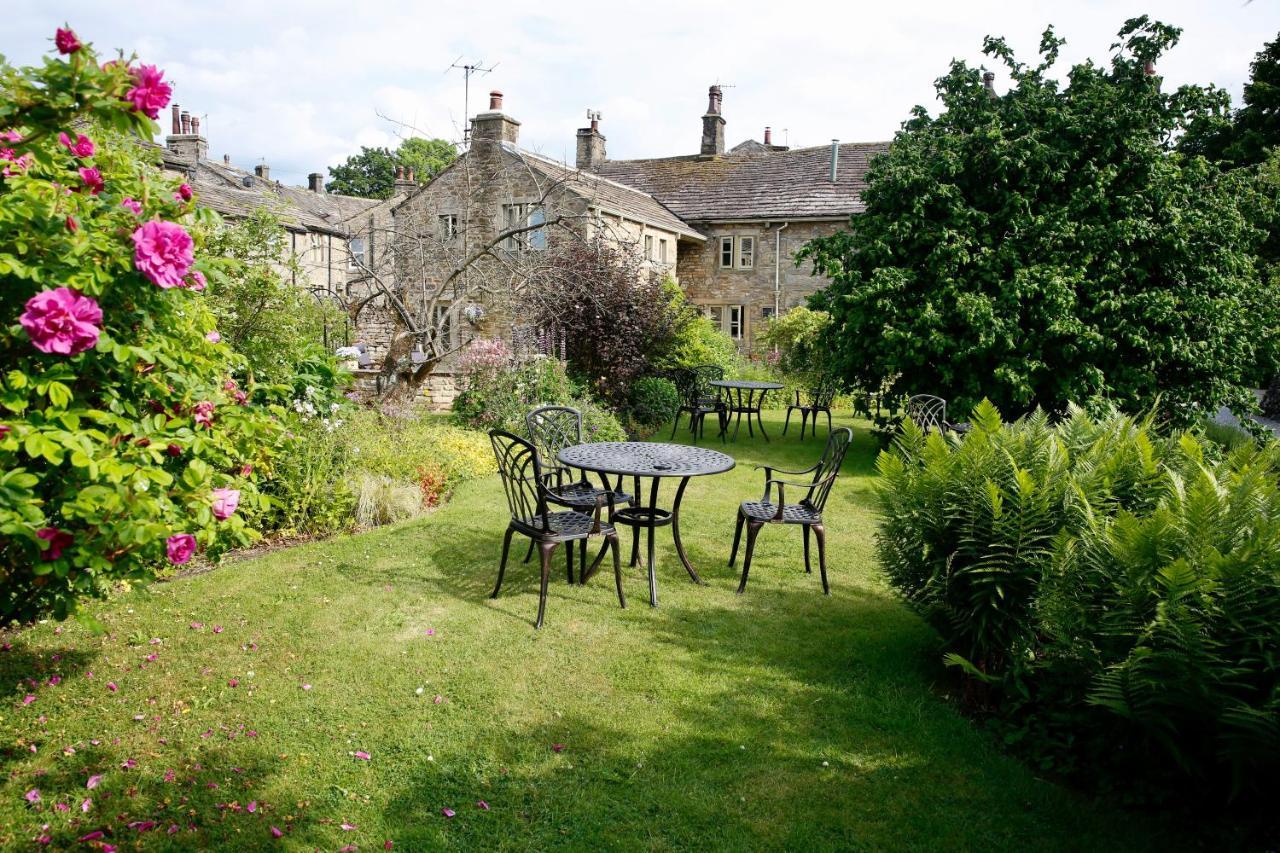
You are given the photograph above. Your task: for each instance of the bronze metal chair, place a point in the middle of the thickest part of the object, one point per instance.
(820, 396)
(928, 412)
(807, 513)
(699, 398)
(528, 499)
(552, 429)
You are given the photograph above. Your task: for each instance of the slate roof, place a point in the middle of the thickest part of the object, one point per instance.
(748, 183)
(223, 188)
(610, 195)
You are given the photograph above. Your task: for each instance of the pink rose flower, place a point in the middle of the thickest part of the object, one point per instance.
(225, 502)
(229, 385)
(150, 93)
(180, 547)
(66, 41)
(20, 164)
(184, 192)
(72, 225)
(92, 180)
(245, 470)
(203, 413)
(62, 321)
(57, 539)
(82, 147)
(10, 136)
(132, 204)
(213, 337)
(4, 430)
(197, 281)
(163, 252)
(241, 398)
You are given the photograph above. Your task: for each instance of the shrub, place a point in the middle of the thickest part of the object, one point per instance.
(696, 340)
(1112, 593)
(615, 319)
(124, 441)
(797, 338)
(498, 394)
(653, 401)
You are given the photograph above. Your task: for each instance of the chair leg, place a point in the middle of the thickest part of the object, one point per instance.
(568, 558)
(528, 555)
(617, 569)
(807, 570)
(820, 533)
(737, 537)
(815, 420)
(582, 561)
(787, 423)
(547, 549)
(502, 567)
(675, 426)
(804, 419)
(753, 528)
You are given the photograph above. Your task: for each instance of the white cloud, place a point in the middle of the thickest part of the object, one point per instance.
(302, 84)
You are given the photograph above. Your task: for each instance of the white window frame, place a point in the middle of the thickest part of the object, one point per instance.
(355, 252)
(730, 319)
(746, 254)
(726, 253)
(648, 247)
(447, 226)
(521, 213)
(662, 250)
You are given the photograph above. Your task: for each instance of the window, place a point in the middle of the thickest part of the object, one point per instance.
(730, 319)
(537, 240)
(734, 326)
(519, 215)
(648, 246)
(726, 253)
(767, 313)
(662, 251)
(317, 249)
(746, 253)
(442, 321)
(448, 226)
(356, 247)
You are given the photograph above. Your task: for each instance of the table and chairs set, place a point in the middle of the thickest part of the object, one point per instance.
(562, 491)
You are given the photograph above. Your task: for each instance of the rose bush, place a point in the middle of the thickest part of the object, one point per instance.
(124, 444)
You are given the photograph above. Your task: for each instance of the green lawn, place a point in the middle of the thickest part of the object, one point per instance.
(776, 719)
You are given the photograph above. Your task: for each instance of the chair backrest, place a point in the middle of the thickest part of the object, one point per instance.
(928, 412)
(706, 374)
(824, 391)
(521, 473)
(828, 466)
(686, 382)
(552, 429)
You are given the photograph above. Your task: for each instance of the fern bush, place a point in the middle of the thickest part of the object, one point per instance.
(1111, 593)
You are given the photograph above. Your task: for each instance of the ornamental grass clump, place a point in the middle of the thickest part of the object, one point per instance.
(1111, 593)
(125, 444)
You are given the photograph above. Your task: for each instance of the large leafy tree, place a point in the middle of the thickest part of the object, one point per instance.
(1243, 137)
(372, 172)
(1047, 245)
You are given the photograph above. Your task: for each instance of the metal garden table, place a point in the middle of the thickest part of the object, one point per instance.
(745, 397)
(641, 460)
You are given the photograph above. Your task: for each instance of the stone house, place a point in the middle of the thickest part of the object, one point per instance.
(320, 224)
(725, 224)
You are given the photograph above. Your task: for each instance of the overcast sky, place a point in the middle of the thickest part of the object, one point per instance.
(302, 85)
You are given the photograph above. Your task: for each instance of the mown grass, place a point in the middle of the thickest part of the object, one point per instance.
(778, 719)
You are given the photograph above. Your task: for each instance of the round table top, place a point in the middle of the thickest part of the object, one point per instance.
(642, 459)
(747, 384)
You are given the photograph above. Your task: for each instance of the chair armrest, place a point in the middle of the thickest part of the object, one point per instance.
(770, 468)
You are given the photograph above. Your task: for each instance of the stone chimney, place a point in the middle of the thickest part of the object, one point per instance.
(989, 83)
(404, 180)
(495, 126)
(263, 171)
(590, 144)
(315, 182)
(713, 125)
(768, 136)
(185, 141)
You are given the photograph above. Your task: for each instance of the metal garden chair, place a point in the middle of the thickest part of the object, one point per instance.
(819, 399)
(552, 429)
(699, 399)
(928, 412)
(807, 513)
(528, 499)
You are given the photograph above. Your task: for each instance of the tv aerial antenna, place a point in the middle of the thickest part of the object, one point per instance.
(468, 68)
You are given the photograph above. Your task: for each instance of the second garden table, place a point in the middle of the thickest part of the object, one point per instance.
(745, 397)
(642, 460)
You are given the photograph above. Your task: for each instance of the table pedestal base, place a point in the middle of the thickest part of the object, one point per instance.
(650, 517)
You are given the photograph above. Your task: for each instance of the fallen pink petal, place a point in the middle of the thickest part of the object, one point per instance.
(32, 796)
(86, 804)
(276, 833)
(252, 807)
(96, 835)
(447, 812)
(347, 827)
(481, 804)
(28, 699)
(557, 747)
(111, 685)
(93, 782)
(362, 755)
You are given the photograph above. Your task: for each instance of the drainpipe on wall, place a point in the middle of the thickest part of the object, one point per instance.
(777, 270)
